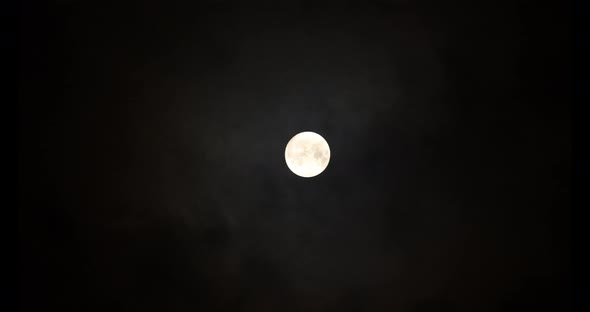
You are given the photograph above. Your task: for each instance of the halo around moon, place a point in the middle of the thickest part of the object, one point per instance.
(307, 154)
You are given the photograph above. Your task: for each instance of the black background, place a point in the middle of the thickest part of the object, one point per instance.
(151, 156)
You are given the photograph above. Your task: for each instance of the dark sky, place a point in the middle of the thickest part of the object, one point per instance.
(152, 173)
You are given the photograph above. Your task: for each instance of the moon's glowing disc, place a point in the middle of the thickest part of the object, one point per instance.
(307, 154)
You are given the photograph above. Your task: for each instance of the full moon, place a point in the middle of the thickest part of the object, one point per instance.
(307, 154)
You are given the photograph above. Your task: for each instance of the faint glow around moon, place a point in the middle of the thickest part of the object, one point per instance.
(307, 154)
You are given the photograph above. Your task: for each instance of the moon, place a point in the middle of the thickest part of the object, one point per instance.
(307, 154)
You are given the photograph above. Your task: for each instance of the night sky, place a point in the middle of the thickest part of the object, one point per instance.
(151, 168)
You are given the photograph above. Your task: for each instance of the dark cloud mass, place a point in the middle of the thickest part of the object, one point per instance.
(152, 175)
